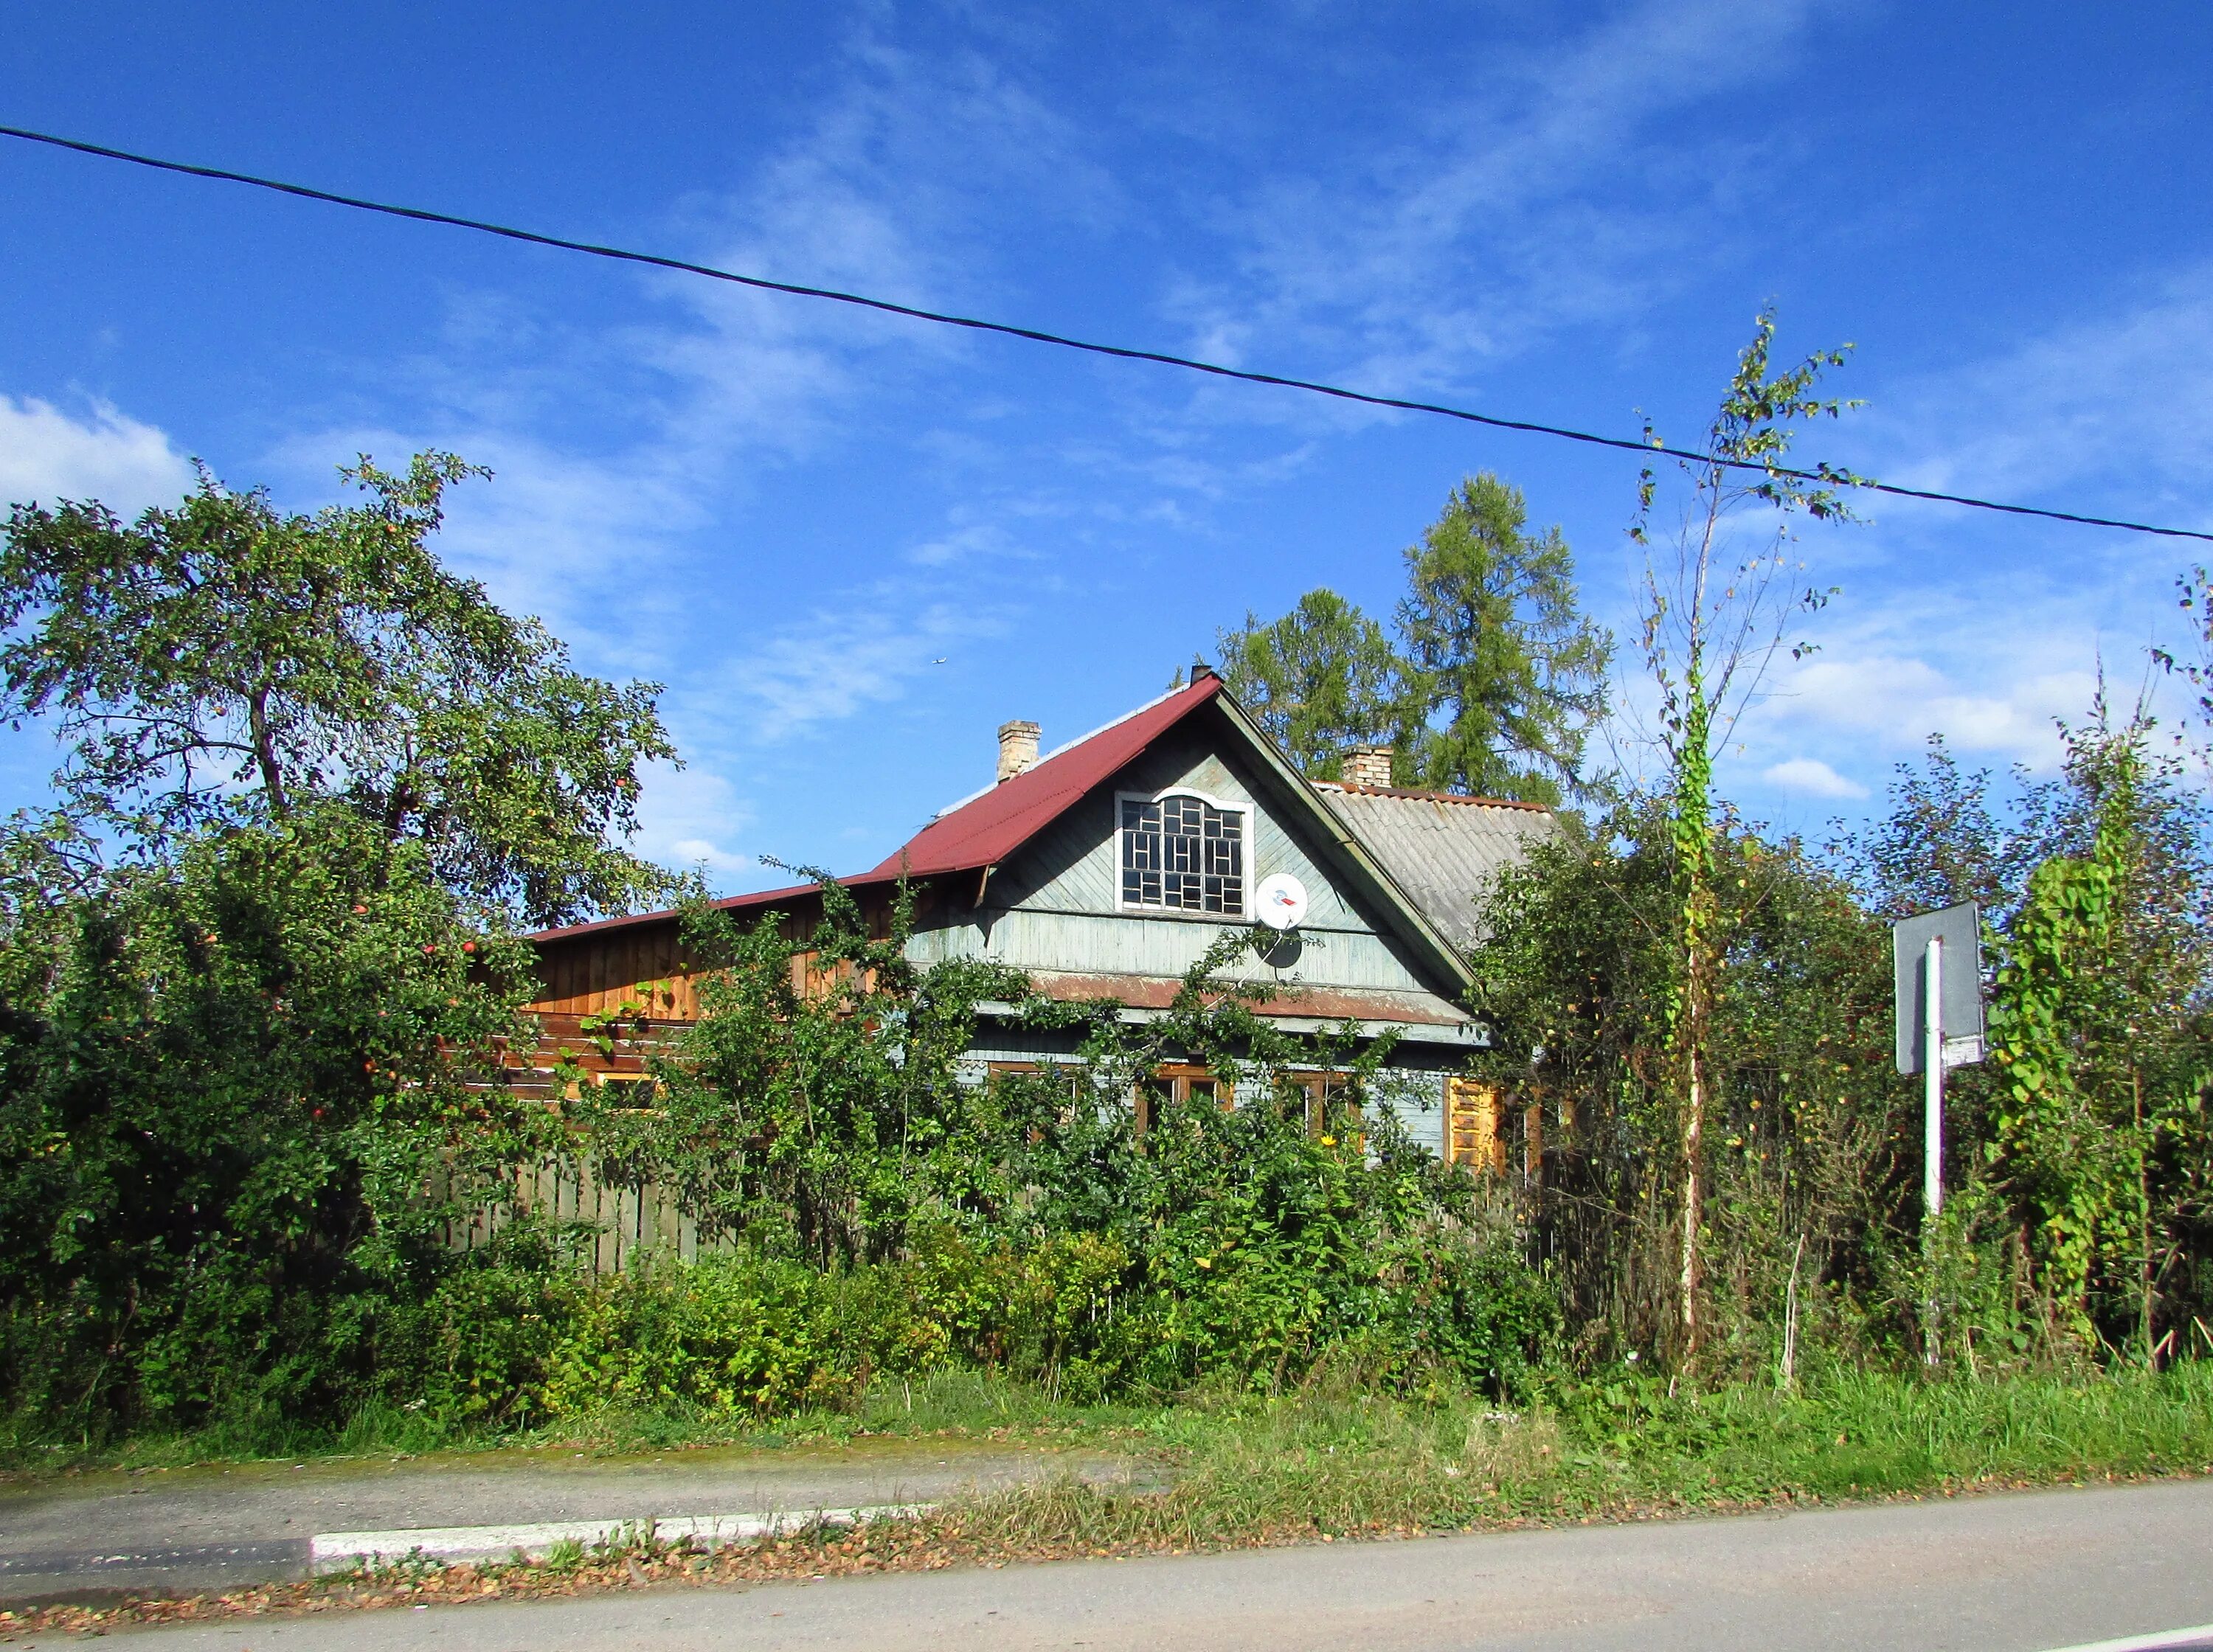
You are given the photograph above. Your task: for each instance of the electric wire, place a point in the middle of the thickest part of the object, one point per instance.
(1823, 475)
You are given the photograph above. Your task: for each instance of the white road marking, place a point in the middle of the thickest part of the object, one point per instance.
(333, 1550)
(2145, 1643)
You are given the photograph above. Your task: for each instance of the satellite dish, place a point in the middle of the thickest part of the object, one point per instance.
(1282, 899)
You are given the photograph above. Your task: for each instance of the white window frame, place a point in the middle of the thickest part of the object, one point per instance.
(1223, 805)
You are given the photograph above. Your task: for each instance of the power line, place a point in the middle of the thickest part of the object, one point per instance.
(1823, 475)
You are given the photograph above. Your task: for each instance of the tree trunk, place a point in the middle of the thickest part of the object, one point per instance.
(2144, 1219)
(264, 750)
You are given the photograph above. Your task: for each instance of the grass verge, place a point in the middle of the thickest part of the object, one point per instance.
(947, 1404)
(1326, 1467)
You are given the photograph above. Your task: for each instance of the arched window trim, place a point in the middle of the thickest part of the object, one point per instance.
(1226, 806)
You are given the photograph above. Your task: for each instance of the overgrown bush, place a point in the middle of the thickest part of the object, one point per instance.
(225, 1081)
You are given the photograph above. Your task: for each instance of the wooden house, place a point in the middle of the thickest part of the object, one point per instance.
(1105, 868)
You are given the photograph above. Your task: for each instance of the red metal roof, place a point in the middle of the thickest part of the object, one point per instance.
(993, 825)
(987, 829)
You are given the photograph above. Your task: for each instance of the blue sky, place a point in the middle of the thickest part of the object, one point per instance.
(789, 512)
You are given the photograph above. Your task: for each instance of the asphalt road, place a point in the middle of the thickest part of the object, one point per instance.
(1998, 1574)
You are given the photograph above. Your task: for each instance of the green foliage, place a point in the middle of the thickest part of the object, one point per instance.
(2100, 1043)
(1321, 678)
(1804, 1116)
(823, 1111)
(222, 664)
(1493, 683)
(244, 986)
(241, 1107)
(225, 1082)
(515, 1339)
(1710, 632)
(1950, 837)
(1509, 674)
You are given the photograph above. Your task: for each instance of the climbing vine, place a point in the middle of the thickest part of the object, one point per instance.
(2096, 1123)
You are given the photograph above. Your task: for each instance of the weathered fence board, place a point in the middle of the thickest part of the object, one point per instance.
(633, 1222)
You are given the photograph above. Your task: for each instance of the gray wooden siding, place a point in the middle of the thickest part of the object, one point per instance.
(1072, 866)
(1101, 943)
(631, 1223)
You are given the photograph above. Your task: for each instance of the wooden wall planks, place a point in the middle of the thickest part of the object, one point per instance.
(601, 970)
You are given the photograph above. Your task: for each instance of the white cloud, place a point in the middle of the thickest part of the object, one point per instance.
(1812, 777)
(698, 851)
(47, 456)
(689, 817)
(1900, 700)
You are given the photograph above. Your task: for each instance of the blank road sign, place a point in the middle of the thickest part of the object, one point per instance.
(1961, 930)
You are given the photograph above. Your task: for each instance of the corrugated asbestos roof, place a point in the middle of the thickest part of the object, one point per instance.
(1440, 849)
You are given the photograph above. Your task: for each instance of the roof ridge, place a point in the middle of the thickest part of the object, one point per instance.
(1428, 797)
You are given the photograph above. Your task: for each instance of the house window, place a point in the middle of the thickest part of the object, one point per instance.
(1183, 854)
(1329, 1101)
(1187, 1084)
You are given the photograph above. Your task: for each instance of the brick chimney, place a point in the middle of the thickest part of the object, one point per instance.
(1018, 747)
(1366, 765)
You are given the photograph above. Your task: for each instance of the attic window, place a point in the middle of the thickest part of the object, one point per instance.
(1183, 853)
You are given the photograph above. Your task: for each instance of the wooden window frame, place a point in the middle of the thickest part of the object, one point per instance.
(1323, 1088)
(1179, 1077)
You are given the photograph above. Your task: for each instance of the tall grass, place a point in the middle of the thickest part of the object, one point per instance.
(1341, 1464)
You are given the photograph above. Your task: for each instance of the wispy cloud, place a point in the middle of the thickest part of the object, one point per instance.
(836, 663)
(2117, 408)
(644, 550)
(1534, 199)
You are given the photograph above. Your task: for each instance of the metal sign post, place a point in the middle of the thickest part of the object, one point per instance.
(1932, 1080)
(1940, 1025)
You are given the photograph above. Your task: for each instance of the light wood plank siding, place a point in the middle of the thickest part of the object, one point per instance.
(1474, 1132)
(601, 970)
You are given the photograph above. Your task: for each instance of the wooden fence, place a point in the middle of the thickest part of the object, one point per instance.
(633, 1223)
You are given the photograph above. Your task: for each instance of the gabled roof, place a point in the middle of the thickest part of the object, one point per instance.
(985, 828)
(1385, 857)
